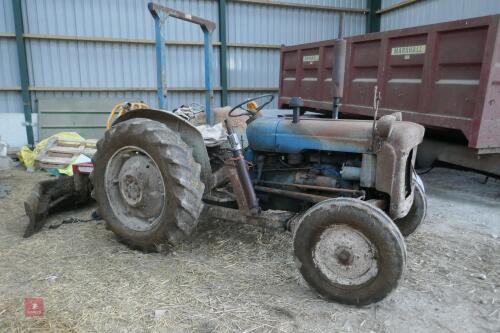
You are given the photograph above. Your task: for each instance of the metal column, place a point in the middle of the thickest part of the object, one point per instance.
(372, 17)
(223, 52)
(23, 69)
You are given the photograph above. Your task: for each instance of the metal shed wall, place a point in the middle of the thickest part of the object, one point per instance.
(123, 67)
(424, 12)
(9, 72)
(275, 26)
(104, 48)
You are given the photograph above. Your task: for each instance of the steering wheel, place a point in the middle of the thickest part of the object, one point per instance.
(268, 98)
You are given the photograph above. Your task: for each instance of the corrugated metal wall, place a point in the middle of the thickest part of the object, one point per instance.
(269, 25)
(435, 11)
(116, 57)
(9, 68)
(121, 65)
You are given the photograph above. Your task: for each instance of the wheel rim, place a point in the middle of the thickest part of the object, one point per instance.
(135, 188)
(345, 256)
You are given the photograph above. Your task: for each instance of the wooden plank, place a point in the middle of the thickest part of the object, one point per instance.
(43, 153)
(91, 142)
(89, 152)
(56, 160)
(66, 150)
(59, 152)
(42, 165)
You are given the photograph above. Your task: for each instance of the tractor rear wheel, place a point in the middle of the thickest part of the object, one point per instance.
(409, 224)
(349, 251)
(147, 184)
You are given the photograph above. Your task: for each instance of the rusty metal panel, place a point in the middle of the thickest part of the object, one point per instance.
(443, 75)
(306, 71)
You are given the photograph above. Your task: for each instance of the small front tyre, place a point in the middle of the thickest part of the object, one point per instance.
(418, 211)
(349, 251)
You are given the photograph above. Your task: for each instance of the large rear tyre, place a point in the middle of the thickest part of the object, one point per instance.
(147, 184)
(349, 251)
(416, 216)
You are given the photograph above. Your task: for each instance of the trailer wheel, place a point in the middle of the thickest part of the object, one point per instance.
(147, 184)
(349, 251)
(409, 224)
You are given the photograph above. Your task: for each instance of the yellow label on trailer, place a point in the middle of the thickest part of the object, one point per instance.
(408, 50)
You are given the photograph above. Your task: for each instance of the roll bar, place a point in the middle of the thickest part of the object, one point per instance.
(160, 15)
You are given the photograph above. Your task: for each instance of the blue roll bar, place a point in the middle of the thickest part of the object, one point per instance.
(160, 15)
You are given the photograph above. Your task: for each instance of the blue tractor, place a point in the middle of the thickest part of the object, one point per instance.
(346, 189)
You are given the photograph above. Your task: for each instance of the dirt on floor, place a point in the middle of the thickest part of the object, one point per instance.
(241, 278)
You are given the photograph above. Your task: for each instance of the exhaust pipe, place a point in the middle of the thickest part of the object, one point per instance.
(338, 73)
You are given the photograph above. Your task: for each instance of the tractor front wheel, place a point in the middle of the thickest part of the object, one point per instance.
(349, 251)
(416, 216)
(147, 184)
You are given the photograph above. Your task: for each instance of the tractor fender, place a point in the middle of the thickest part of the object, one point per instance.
(188, 133)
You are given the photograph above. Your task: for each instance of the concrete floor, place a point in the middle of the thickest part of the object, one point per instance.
(233, 278)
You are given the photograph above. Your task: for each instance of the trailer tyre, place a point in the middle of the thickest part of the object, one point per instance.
(147, 184)
(416, 216)
(349, 251)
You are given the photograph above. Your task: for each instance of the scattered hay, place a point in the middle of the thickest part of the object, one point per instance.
(227, 278)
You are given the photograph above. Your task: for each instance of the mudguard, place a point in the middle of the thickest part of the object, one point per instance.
(189, 134)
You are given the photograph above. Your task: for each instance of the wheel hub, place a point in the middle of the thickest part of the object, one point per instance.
(131, 190)
(345, 256)
(135, 187)
(135, 174)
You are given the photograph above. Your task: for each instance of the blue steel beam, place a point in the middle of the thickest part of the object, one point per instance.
(161, 64)
(223, 51)
(209, 92)
(160, 15)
